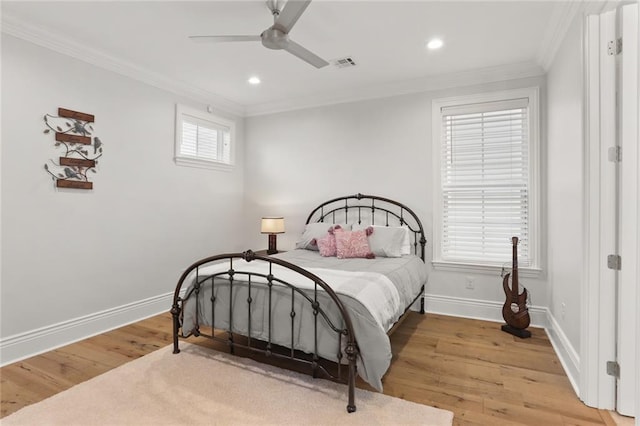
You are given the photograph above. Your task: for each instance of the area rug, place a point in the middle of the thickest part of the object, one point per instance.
(200, 386)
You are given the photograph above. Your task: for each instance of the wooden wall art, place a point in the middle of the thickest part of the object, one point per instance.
(74, 133)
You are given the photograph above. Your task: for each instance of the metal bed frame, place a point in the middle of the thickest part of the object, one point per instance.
(373, 210)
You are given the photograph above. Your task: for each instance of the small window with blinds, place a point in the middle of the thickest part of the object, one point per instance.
(203, 140)
(487, 192)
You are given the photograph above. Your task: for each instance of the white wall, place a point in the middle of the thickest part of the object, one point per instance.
(564, 158)
(638, 266)
(68, 254)
(295, 160)
(298, 159)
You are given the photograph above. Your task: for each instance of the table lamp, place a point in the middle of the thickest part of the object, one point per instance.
(272, 226)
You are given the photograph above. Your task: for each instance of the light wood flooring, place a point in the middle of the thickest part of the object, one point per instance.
(471, 367)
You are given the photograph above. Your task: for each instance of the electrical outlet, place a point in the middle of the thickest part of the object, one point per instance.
(563, 308)
(471, 283)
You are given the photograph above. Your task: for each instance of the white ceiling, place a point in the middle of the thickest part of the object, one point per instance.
(148, 40)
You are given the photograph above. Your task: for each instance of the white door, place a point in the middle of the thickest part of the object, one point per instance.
(611, 298)
(598, 336)
(627, 79)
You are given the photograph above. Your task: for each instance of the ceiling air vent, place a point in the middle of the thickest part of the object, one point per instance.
(346, 62)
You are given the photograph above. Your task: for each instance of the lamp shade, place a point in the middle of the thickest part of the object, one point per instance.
(272, 225)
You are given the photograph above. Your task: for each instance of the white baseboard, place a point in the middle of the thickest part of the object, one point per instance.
(568, 356)
(20, 346)
(24, 345)
(478, 309)
(492, 311)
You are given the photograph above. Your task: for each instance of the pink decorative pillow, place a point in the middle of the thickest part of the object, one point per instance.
(327, 244)
(351, 244)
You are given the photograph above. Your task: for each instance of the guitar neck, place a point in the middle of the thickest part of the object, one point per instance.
(514, 273)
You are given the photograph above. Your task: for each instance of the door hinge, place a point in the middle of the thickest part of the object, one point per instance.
(613, 369)
(614, 261)
(614, 47)
(615, 154)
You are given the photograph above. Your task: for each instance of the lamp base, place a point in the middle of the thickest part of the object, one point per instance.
(272, 244)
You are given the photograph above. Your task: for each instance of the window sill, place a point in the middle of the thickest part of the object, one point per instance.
(440, 265)
(203, 164)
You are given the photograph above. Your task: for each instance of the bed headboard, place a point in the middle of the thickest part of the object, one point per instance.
(371, 210)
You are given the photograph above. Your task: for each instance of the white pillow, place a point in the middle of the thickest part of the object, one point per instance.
(406, 243)
(315, 231)
(388, 235)
(387, 241)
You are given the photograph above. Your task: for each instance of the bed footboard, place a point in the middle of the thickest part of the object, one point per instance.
(306, 302)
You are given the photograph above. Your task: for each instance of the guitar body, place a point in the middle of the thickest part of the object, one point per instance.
(514, 310)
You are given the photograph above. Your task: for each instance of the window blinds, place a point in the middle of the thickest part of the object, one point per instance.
(202, 140)
(485, 182)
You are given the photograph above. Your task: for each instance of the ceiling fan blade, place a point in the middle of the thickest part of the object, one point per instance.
(292, 11)
(307, 56)
(217, 39)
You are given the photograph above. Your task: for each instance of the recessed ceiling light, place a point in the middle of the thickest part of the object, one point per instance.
(254, 80)
(435, 43)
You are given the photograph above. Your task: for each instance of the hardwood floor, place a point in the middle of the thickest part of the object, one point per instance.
(483, 375)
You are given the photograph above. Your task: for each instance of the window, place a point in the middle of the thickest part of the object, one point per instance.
(486, 155)
(203, 140)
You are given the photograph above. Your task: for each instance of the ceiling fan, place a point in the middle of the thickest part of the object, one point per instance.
(277, 36)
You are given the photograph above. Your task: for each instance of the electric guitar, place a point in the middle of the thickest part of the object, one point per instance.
(514, 311)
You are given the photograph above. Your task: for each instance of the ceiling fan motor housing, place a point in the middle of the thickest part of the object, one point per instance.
(274, 38)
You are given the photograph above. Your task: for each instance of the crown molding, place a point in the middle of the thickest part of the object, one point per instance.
(17, 28)
(404, 87)
(563, 15)
(562, 18)
(596, 7)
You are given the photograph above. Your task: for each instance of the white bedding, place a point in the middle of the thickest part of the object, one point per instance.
(375, 292)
